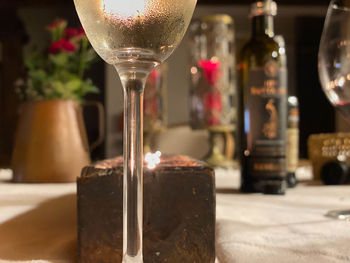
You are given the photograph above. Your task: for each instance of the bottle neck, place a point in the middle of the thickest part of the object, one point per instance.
(263, 26)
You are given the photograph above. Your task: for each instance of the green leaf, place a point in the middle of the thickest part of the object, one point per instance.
(60, 75)
(59, 59)
(34, 60)
(38, 77)
(90, 55)
(73, 85)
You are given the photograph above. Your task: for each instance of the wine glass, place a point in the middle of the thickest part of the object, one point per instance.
(134, 36)
(334, 66)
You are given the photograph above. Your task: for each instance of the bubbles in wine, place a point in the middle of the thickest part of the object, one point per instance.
(152, 27)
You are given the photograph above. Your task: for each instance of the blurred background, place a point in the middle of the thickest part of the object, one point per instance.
(300, 23)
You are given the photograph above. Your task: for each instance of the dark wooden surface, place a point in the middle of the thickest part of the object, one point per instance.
(179, 212)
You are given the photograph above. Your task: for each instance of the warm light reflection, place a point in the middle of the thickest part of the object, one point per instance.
(214, 59)
(124, 9)
(338, 83)
(194, 70)
(282, 50)
(343, 43)
(152, 159)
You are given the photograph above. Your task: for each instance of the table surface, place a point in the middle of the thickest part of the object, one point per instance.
(38, 224)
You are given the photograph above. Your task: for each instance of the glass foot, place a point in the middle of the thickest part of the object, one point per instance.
(339, 214)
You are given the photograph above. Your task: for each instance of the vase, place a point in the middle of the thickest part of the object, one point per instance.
(213, 89)
(51, 144)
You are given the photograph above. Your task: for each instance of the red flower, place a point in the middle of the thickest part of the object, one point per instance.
(71, 32)
(61, 45)
(153, 77)
(150, 102)
(81, 31)
(212, 101)
(155, 74)
(213, 108)
(211, 71)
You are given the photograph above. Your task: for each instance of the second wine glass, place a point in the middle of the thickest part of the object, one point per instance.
(334, 67)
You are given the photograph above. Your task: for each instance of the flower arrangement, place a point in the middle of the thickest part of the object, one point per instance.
(57, 72)
(212, 99)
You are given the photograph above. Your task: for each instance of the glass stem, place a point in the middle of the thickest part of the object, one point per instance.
(133, 162)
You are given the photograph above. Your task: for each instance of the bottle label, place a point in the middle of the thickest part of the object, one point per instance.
(267, 167)
(266, 118)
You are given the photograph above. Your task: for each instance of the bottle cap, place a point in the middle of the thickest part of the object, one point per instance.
(261, 8)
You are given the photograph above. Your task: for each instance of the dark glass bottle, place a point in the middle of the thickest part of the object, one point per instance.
(263, 106)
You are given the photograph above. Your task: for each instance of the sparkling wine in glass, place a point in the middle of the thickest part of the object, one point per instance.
(134, 36)
(334, 65)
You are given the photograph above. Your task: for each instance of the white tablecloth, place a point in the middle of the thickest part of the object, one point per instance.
(38, 224)
(290, 228)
